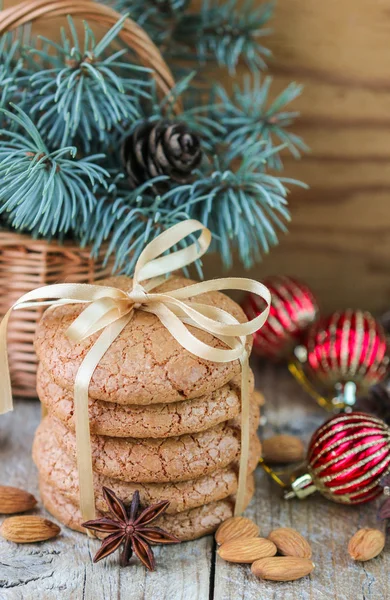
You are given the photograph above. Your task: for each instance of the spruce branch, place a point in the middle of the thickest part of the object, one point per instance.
(226, 33)
(90, 97)
(152, 109)
(244, 207)
(199, 118)
(84, 91)
(11, 69)
(44, 191)
(156, 108)
(128, 220)
(158, 17)
(248, 116)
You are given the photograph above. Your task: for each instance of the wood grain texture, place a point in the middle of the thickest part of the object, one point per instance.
(327, 526)
(62, 569)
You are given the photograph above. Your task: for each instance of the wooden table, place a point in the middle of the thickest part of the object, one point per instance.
(63, 569)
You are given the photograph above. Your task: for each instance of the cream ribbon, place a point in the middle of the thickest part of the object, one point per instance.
(110, 309)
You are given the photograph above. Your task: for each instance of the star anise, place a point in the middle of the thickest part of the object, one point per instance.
(130, 526)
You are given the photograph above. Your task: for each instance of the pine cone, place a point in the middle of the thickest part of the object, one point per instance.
(161, 148)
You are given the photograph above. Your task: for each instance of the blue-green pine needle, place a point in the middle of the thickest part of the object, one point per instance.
(42, 190)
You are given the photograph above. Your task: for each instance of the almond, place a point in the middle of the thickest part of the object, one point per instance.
(366, 544)
(290, 542)
(282, 568)
(246, 550)
(13, 500)
(283, 449)
(236, 527)
(28, 528)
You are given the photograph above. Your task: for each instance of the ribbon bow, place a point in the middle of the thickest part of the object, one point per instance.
(109, 310)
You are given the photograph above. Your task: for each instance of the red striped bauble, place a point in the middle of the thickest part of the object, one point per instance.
(293, 309)
(348, 456)
(348, 346)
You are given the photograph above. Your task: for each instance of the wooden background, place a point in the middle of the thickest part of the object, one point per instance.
(339, 240)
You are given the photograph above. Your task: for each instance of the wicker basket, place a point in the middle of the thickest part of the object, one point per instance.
(25, 263)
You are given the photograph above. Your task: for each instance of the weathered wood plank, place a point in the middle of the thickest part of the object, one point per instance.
(327, 526)
(62, 569)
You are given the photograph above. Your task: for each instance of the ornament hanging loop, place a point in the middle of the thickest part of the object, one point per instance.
(301, 483)
(343, 401)
(271, 473)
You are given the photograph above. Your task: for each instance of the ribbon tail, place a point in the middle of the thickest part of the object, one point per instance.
(6, 392)
(83, 441)
(245, 438)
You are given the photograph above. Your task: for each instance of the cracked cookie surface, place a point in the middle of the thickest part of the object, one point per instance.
(60, 471)
(157, 460)
(187, 525)
(151, 421)
(145, 364)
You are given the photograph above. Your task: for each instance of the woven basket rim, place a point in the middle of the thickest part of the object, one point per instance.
(10, 238)
(132, 34)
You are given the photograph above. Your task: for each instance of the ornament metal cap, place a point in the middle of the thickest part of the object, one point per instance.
(346, 460)
(301, 486)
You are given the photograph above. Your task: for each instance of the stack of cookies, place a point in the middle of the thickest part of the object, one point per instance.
(162, 421)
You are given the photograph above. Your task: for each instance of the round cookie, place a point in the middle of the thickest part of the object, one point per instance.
(151, 421)
(145, 364)
(177, 458)
(187, 525)
(157, 460)
(59, 470)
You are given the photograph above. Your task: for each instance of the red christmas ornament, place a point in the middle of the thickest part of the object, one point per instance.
(342, 355)
(346, 460)
(293, 308)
